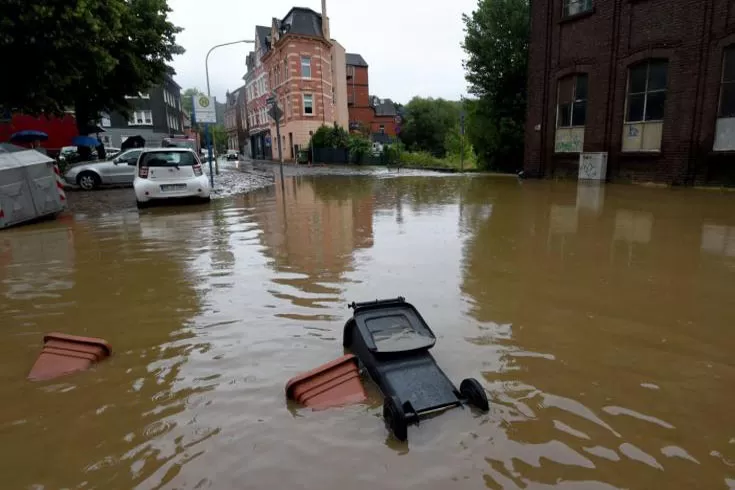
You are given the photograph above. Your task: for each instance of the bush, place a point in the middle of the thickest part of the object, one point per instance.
(330, 137)
(359, 147)
(424, 159)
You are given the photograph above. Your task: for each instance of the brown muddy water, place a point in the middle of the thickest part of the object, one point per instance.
(600, 321)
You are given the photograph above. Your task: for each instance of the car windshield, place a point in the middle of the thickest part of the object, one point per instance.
(178, 143)
(168, 159)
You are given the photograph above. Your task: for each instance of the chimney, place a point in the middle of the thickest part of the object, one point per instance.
(325, 21)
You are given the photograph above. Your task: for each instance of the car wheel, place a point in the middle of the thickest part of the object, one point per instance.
(88, 181)
(206, 200)
(474, 393)
(395, 418)
(141, 204)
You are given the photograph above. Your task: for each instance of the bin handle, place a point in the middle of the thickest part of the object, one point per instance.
(354, 305)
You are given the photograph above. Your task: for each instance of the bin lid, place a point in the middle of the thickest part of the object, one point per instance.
(16, 158)
(394, 328)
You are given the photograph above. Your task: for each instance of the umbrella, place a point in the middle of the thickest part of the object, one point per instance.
(28, 136)
(85, 141)
(133, 142)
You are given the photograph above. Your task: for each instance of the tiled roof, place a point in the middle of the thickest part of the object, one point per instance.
(355, 59)
(303, 21)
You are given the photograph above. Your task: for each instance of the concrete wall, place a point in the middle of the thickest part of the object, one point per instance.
(339, 76)
(604, 43)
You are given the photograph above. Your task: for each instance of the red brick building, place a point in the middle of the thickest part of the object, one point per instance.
(301, 67)
(377, 114)
(650, 82)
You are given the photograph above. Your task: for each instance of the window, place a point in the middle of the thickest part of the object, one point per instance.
(726, 112)
(285, 69)
(130, 157)
(308, 104)
(305, 67)
(574, 7)
(571, 113)
(644, 111)
(139, 118)
(105, 121)
(381, 129)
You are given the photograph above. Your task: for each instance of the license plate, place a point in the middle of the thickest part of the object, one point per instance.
(173, 187)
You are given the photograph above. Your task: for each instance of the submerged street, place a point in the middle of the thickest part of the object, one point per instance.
(598, 319)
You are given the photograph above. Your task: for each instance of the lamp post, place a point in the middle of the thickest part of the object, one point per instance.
(208, 127)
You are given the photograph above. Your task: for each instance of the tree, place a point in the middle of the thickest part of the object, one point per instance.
(426, 123)
(85, 54)
(455, 143)
(496, 42)
(187, 103)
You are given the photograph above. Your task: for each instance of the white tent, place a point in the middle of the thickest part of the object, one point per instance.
(28, 186)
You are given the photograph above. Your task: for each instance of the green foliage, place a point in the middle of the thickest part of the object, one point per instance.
(496, 42)
(330, 137)
(393, 152)
(359, 147)
(455, 143)
(86, 54)
(423, 159)
(187, 104)
(427, 122)
(219, 138)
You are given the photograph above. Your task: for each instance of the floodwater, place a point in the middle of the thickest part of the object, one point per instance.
(599, 320)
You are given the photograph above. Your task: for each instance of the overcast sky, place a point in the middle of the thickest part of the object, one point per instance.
(412, 46)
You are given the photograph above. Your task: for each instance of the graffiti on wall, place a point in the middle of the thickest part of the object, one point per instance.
(569, 140)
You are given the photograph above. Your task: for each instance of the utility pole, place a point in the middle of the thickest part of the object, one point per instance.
(275, 112)
(461, 140)
(208, 127)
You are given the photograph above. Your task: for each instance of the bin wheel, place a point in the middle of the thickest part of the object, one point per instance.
(475, 394)
(395, 418)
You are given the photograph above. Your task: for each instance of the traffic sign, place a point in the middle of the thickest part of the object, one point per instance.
(205, 110)
(275, 112)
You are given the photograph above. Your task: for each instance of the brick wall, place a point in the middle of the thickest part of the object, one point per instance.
(291, 88)
(358, 91)
(690, 34)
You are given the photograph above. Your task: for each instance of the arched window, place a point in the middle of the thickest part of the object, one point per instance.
(571, 113)
(724, 140)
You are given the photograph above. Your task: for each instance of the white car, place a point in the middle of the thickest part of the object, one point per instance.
(169, 173)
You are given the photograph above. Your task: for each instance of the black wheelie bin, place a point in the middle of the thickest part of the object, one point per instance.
(392, 341)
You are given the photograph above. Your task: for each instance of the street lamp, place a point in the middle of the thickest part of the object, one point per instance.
(209, 95)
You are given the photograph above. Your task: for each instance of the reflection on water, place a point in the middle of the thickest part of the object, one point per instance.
(599, 319)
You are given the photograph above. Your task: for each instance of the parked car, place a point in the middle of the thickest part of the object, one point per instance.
(169, 174)
(117, 171)
(232, 155)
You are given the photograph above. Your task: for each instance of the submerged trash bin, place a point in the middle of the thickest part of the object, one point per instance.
(64, 354)
(30, 186)
(333, 384)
